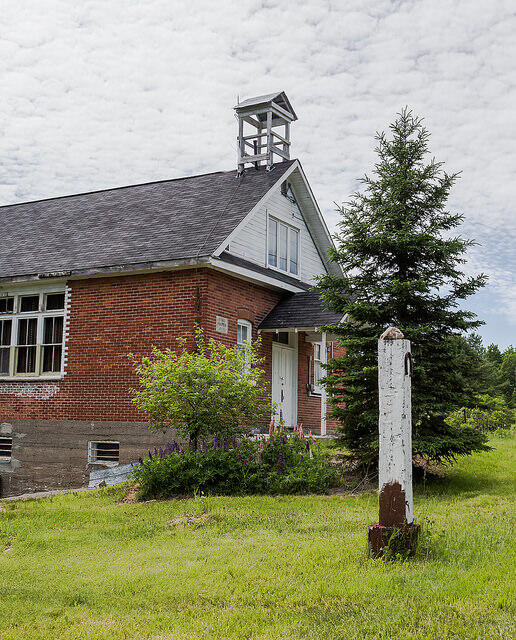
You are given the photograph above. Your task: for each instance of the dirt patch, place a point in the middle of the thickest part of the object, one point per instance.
(189, 521)
(130, 496)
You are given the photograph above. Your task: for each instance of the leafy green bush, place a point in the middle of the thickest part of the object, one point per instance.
(490, 414)
(282, 464)
(212, 390)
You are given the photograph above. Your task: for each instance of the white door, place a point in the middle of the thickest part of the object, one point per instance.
(284, 390)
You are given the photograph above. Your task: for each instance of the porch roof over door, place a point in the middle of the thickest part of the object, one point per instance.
(299, 311)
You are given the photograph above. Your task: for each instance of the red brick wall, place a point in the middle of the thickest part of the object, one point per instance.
(111, 317)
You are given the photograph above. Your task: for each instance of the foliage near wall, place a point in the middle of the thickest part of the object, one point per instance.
(212, 390)
(281, 464)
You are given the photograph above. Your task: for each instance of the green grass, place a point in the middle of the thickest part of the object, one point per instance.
(84, 566)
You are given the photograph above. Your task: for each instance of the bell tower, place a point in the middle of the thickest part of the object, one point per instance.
(261, 142)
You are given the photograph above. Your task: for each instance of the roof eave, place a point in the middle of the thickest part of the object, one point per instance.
(111, 270)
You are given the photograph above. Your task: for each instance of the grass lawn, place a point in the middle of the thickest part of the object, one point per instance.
(84, 566)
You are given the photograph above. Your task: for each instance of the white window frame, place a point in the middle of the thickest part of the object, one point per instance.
(16, 315)
(92, 453)
(290, 229)
(318, 370)
(244, 343)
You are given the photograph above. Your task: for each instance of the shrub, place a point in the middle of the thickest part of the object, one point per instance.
(282, 464)
(490, 414)
(212, 390)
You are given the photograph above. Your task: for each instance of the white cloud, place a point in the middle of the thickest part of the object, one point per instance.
(98, 94)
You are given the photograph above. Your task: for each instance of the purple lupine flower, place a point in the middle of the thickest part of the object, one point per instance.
(161, 454)
(302, 457)
(284, 439)
(279, 464)
(150, 455)
(140, 460)
(260, 457)
(308, 445)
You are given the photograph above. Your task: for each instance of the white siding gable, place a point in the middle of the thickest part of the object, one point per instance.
(250, 242)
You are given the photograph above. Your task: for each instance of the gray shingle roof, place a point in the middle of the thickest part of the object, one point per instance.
(273, 273)
(177, 219)
(300, 310)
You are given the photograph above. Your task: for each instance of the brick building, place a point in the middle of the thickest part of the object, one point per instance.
(87, 279)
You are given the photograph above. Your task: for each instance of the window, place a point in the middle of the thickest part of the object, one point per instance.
(106, 452)
(6, 305)
(283, 247)
(318, 372)
(5, 346)
(31, 334)
(244, 332)
(6, 449)
(282, 337)
(244, 336)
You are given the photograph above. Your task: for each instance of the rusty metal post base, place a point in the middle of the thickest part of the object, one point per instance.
(392, 541)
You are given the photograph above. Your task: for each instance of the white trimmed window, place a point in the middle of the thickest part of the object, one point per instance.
(244, 335)
(318, 371)
(31, 334)
(282, 247)
(104, 452)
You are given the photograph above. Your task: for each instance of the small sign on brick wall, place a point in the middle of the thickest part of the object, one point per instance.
(221, 324)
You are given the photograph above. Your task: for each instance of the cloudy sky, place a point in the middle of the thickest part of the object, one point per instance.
(97, 94)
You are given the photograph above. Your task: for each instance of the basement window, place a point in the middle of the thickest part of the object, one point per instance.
(6, 449)
(32, 334)
(104, 452)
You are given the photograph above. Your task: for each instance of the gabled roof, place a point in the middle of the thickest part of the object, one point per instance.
(185, 218)
(280, 98)
(300, 310)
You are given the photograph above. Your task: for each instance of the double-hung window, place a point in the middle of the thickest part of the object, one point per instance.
(244, 338)
(283, 246)
(318, 371)
(31, 334)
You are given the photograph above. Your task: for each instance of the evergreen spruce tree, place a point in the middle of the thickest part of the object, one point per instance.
(402, 267)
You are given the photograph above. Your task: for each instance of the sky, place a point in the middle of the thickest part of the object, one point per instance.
(98, 94)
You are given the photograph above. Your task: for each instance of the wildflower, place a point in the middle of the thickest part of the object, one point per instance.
(279, 464)
(150, 455)
(271, 427)
(140, 460)
(302, 457)
(261, 445)
(161, 453)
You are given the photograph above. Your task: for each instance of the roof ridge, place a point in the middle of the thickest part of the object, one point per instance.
(126, 186)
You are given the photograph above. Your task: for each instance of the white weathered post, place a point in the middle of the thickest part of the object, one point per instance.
(395, 453)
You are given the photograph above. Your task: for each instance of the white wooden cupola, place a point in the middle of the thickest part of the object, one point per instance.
(263, 115)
